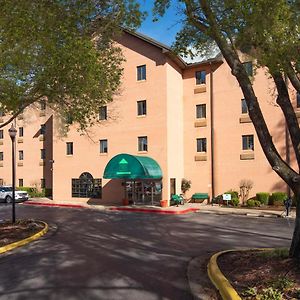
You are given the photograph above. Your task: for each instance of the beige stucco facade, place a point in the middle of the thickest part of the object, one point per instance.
(170, 125)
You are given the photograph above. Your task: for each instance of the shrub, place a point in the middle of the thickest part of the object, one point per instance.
(185, 185)
(234, 194)
(253, 203)
(277, 198)
(234, 201)
(263, 198)
(32, 192)
(270, 294)
(245, 186)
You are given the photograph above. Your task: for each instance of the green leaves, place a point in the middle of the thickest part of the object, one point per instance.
(64, 51)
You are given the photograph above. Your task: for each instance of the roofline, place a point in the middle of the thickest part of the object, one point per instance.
(170, 53)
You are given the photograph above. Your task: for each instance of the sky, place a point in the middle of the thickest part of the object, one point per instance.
(165, 29)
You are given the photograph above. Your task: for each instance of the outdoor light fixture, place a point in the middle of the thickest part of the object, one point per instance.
(12, 133)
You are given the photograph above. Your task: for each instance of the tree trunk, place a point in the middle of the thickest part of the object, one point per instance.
(295, 246)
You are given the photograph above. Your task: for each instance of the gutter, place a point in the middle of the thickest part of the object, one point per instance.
(212, 131)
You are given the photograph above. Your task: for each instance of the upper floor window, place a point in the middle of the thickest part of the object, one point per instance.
(69, 148)
(21, 131)
(1, 134)
(244, 107)
(248, 142)
(21, 155)
(201, 145)
(298, 100)
(141, 72)
(2, 114)
(103, 146)
(42, 104)
(200, 111)
(103, 113)
(1, 156)
(141, 108)
(43, 129)
(69, 118)
(142, 143)
(43, 154)
(248, 67)
(200, 77)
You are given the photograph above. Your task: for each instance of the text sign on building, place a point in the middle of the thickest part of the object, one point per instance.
(227, 197)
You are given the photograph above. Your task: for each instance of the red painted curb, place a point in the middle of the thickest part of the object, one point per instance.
(53, 204)
(171, 212)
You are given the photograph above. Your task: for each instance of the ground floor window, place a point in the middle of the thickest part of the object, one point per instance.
(86, 186)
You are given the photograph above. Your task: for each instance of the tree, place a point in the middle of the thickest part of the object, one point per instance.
(62, 51)
(269, 31)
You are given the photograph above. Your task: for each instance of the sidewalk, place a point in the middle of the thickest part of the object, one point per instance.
(181, 209)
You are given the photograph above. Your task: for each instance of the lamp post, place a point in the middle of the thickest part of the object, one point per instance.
(12, 133)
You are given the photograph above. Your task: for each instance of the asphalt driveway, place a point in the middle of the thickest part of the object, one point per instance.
(117, 255)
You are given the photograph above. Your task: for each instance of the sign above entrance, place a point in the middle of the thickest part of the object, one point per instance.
(126, 166)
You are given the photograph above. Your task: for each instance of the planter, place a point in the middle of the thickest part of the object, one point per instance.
(125, 201)
(164, 203)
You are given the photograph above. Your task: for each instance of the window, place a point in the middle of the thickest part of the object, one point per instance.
(86, 186)
(141, 108)
(42, 104)
(172, 186)
(1, 134)
(43, 129)
(21, 131)
(43, 183)
(21, 155)
(298, 99)
(141, 72)
(43, 154)
(201, 111)
(2, 114)
(200, 77)
(143, 143)
(1, 156)
(244, 107)
(69, 118)
(69, 148)
(1, 181)
(201, 145)
(103, 113)
(248, 142)
(103, 146)
(21, 182)
(248, 67)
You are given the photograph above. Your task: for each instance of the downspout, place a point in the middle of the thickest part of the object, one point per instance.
(212, 132)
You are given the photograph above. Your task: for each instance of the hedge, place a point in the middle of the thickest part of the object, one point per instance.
(263, 198)
(277, 198)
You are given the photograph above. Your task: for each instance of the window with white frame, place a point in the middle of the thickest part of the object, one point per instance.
(69, 146)
(103, 113)
(21, 155)
(142, 143)
(248, 142)
(141, 72)
(200, 111)
(200, 77)
(244, 106)
(103, 146)
(141, 108)
(201, 145)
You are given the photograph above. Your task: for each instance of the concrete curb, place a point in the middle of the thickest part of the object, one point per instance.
(54, 204)
(157, 211)
(25, 241)
(221, 283)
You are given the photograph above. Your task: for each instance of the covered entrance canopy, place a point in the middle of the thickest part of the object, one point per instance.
(142, 176)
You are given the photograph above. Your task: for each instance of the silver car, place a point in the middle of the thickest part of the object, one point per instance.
(6, 194)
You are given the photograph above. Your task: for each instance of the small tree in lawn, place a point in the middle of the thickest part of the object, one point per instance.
(245, 186)
(185, 185)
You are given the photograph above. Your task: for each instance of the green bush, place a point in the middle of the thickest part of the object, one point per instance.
(32, 192)
(277, 198)
(234, 194)
(234, 201)
(253, 203)
(270, 294)
(263, 198)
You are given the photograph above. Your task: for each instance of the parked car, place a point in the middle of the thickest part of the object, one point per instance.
(6, 195)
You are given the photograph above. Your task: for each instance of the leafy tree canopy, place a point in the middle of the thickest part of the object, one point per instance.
(62, 51)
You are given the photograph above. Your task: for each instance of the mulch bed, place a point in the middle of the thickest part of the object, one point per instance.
(251, 272)
(22, 229)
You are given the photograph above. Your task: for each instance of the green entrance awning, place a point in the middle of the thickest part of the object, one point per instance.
(126, 166)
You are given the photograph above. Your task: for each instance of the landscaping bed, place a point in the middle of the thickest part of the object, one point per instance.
(264, 275)
(22, 229)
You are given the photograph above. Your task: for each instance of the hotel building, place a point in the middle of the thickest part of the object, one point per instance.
(170, 120)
